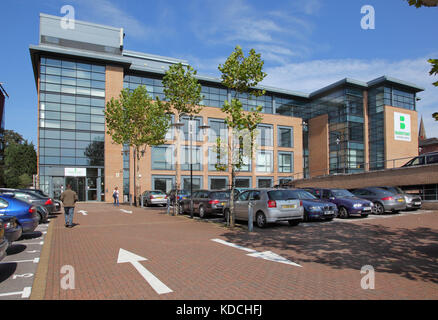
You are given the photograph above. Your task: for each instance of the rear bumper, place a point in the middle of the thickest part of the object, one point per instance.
(277, 215)
(395, 206)
(3, 247)
(157, 201)
(13, 234)
(29, 225)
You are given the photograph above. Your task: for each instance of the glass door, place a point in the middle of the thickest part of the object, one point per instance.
(77, 185)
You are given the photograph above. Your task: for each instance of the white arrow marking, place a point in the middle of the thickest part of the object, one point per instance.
(267, 255)
(24, 294)
(126, 211)
(34, 251)
(154, 282)
(38, 243)
(84, 213)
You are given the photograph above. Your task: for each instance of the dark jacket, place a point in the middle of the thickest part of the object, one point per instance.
(69, 198)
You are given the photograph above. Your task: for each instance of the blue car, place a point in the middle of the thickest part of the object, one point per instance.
(314, 208)
(25, 213)
(13, 230)
(3, 241)
(348, 204)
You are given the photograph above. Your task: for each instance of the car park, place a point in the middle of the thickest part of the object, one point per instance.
(413, 202)
(25, 213)
(269, 206)
(3, 241)
(182, 194)
(31, 197)
(348, 204)
(423, 159)
(207, 202)
(383, 200)
(13, 230)
(315, 208)
(154, 197)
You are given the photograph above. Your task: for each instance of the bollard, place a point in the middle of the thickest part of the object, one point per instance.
(250, 215)
(141, 201)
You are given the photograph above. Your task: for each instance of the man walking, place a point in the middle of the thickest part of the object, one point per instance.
(69, 198)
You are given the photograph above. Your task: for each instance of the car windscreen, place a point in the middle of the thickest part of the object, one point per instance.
(342, 193)
(394, 190)
(219, 195)
(303, 195)
(281, 195)
(157, 192)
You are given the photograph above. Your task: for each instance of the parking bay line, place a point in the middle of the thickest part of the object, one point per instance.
(36, 260)
(24, 294)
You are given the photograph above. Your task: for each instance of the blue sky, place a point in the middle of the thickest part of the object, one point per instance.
(306, 44)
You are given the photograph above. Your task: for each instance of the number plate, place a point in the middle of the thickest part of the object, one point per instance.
(290, 206)
(400, 200)
(367, 209)
(417, 203)
(223, 203)
(328, 212)
(158, 197)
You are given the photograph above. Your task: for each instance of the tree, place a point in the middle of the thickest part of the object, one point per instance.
(433, 62)
(183, 95)
(20, 159)
(240, 74)
(134, 119)
(95, 152)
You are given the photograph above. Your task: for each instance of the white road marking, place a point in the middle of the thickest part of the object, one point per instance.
(126, 211)
(24, 294)
(35, 243)
(36, 260)
(33, 251)
(26, 275)
(126, 256)
(266, 255)
(84, 213)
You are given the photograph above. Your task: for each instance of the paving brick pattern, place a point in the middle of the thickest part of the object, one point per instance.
(403, 250)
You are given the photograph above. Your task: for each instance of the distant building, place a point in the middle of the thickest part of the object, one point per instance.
(428, 145)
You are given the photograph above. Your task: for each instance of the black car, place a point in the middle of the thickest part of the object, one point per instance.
(57, 203)
(31, 197)
(13, 230)
(206, 202)
(423, 159)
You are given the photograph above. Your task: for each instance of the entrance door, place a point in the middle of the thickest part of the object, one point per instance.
(77, 185)
(57, 186)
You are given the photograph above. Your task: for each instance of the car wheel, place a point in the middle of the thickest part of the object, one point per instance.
(261, 220)
(294, 223)
(202, 214)
(378, 208)
(343, 213)
(41, 218)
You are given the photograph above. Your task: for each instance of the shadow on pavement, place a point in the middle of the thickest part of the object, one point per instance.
(7, 270)
(410, 253)
(16, 249)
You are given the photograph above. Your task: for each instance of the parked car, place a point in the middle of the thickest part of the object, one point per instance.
(3, 241)
(270, 206)
(57, 203)
(382, 199)
(154, 197)
(413, 202)
(31, 197)
(315, 208)
(182, 194)
(13, 230)
(207, 202)
(25, 212)
(348, 204)
(422, 159)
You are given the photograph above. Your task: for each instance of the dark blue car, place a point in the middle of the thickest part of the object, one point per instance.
(25, 213)
(348, 204)
(13, 230)
(315, 208)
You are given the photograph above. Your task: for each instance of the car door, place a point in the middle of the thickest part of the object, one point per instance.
(241, 205)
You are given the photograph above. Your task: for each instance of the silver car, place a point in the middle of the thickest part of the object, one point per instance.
(155, 197)
(270, 206)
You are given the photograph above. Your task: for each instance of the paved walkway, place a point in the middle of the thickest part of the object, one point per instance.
(182, 257)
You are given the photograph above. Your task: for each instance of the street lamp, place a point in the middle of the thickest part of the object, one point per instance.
(177, 125)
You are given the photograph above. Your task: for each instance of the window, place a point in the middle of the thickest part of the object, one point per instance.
(264, 135)
(285, 162)
(162, 158)
(218, 129)
(218, 183)
(264, 161)
(197, 183)
(285, 137)
(216, 157)
(197, 132)
(196, 158)
(242, 182)
(244, 196)
(3, 204)
(264, 182)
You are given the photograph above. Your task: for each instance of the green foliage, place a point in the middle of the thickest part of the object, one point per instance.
(10, 136)
(434, 70)
(25, 181)
(95, 152)
(420, 3)
(135, 119)
(20, 159)
(182, 90)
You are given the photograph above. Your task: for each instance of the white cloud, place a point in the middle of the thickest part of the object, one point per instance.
(313, 75)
